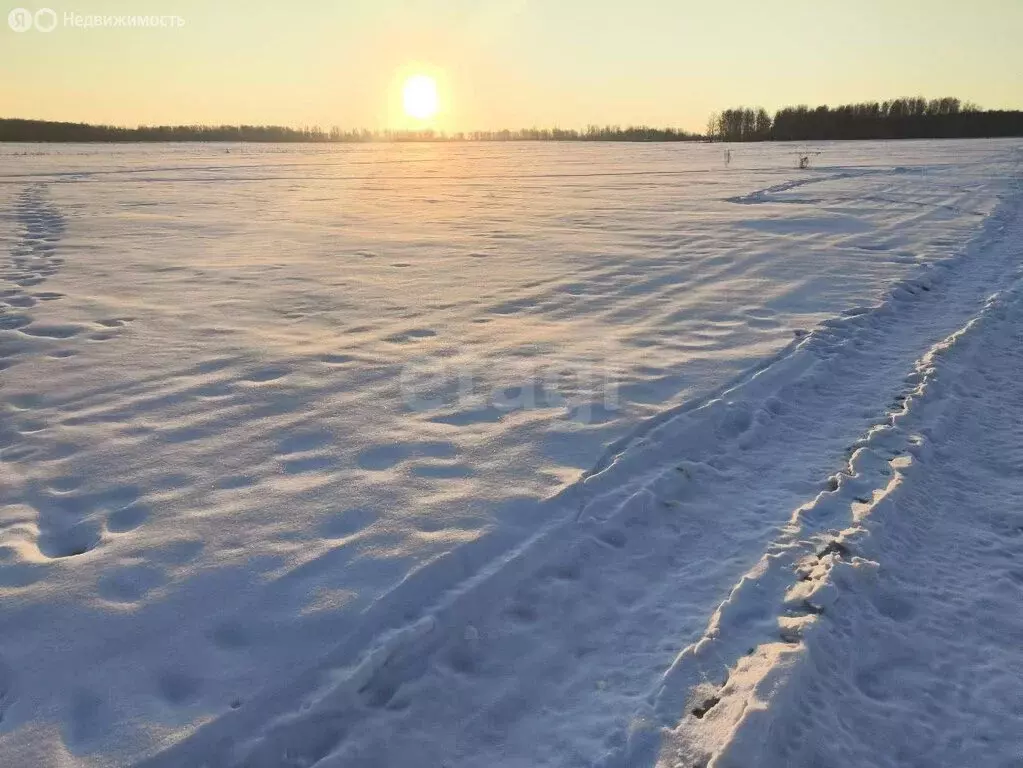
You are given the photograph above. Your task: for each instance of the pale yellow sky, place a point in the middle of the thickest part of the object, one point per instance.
(504, 63)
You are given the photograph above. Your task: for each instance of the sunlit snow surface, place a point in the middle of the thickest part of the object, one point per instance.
(249, 390)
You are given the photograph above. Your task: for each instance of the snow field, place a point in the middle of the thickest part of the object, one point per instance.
(386, 455)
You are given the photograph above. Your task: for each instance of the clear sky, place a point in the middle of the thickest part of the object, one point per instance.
(504, 63)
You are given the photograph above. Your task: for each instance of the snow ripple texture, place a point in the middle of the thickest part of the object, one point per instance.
(446, 455)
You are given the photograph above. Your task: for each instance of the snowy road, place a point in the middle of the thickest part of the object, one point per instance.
(440, 455)
(896, 642)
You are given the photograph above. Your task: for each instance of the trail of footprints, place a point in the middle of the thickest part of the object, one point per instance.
(68, 524)
(65, 517)
(33, 259)
(468, 646)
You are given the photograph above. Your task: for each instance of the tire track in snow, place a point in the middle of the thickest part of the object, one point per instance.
(765, 195)
(788, 611)
(511, 639)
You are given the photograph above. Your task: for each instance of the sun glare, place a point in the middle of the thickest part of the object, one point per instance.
(419, 97)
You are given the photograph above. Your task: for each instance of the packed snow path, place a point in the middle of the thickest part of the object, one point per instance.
(551, 656)
(231, 539)
(897, 641)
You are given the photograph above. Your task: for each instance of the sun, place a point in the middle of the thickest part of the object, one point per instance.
(419, 97)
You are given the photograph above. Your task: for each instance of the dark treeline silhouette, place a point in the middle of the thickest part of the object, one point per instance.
(592, 133)
(912, 118)
(46, 131)
(742, 124)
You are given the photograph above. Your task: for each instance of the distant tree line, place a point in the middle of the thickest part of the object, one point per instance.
(910, 118)
(592, 133)
(47, 131)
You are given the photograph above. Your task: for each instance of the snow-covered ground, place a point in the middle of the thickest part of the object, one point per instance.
(896, 640)
(445, 455)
